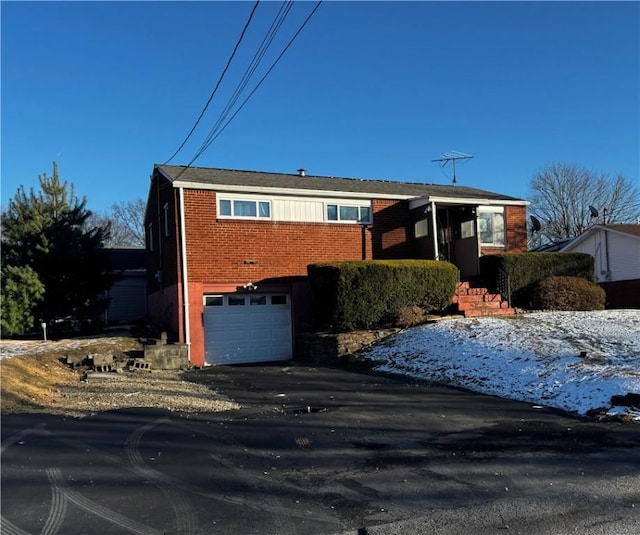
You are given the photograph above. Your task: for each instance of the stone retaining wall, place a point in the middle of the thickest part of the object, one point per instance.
(327, 348)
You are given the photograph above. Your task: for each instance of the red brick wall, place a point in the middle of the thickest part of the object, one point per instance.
(392, 230)
(235, 250)
(516, 221)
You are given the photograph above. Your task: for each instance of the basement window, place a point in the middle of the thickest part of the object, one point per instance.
(246, 209)
(347, 213)
(491, 226)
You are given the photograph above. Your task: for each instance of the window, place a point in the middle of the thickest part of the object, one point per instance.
(213, 301)
(348, 213)
(244, 208)
(278, 299)
(236, 300)
(467, 229)
(491, 225)
(258, 300)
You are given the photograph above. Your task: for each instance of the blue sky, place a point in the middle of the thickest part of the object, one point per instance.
(368, 90)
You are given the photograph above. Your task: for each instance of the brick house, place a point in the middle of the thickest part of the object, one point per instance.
(227, 251)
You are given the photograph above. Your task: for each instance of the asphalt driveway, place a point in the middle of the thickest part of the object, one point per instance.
(322, 451)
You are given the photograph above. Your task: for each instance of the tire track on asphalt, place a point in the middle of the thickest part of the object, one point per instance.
(56, 513)
(284, 516)
(15, 439)
(8, 528)
(113, 517)
(186, 518)
(268, 505)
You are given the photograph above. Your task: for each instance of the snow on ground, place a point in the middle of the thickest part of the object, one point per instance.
(533, 357)
(14, 348)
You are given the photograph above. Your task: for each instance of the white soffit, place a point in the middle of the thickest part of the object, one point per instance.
(422, 201)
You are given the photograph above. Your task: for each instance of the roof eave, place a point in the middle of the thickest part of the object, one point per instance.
(474, 201)
(227, 188)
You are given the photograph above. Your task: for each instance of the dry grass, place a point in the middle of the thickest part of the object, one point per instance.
(34, 378)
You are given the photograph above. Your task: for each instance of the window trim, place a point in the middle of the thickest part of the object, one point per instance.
(359, 206)
(257, 202)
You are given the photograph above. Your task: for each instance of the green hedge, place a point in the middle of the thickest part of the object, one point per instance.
(369, 293)
(526, 269)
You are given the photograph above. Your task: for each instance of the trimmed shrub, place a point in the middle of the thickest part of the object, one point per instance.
(527, 269)
(369, 293)
(567, 293)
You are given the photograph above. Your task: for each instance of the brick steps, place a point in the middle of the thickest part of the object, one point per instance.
(473, 301)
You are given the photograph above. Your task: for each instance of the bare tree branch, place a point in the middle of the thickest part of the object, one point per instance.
(561, 194)
(126, 222)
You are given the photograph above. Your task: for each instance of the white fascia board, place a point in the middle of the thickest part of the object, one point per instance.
(593, 230)
(290, 191)
(422, 201)
(577, 241)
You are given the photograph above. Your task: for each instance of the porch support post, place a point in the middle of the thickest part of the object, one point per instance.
(435, 230)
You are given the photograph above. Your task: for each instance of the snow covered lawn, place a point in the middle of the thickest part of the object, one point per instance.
(532, 357)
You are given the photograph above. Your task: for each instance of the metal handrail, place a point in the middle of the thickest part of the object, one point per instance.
(504, 285)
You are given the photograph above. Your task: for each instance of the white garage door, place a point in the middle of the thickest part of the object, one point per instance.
(247, 328)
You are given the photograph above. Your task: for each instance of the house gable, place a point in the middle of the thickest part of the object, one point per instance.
(615, 248)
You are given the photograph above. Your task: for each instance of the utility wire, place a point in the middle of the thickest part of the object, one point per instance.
(211, 138)
(255, 62)
(215, 89)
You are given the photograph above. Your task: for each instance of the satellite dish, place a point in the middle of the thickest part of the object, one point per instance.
(594, 212)
(535, 223)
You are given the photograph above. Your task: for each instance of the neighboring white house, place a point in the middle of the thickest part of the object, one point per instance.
(616, 250)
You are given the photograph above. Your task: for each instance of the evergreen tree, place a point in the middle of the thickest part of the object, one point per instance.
(48, 232)
(21, 292)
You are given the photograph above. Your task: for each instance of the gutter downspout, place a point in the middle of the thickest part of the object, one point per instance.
(435, 230)
(185, 286)
(606, 252)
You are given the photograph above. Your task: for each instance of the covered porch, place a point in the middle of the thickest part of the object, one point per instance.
(457, 230)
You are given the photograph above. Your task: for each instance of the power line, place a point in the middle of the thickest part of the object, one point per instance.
(217, 130)
(215, 89)
(249, 71)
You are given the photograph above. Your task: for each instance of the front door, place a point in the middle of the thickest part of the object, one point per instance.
(465, 245)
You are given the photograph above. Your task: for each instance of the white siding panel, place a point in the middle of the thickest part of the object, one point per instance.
(298, 210)
(128, 299)
(624, 255)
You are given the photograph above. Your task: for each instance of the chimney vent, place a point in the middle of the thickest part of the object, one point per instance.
(302, 172)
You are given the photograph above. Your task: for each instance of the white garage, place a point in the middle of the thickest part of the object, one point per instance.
(247, 328)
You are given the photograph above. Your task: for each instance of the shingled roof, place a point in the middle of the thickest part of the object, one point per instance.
(634, 230)
(229, 177)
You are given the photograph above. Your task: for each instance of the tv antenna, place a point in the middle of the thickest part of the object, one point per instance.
(452, 157)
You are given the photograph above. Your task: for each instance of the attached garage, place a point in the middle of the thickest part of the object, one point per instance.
(247, 328)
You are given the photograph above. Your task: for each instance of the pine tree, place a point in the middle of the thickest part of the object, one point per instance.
(48, 232)
(21, 292)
